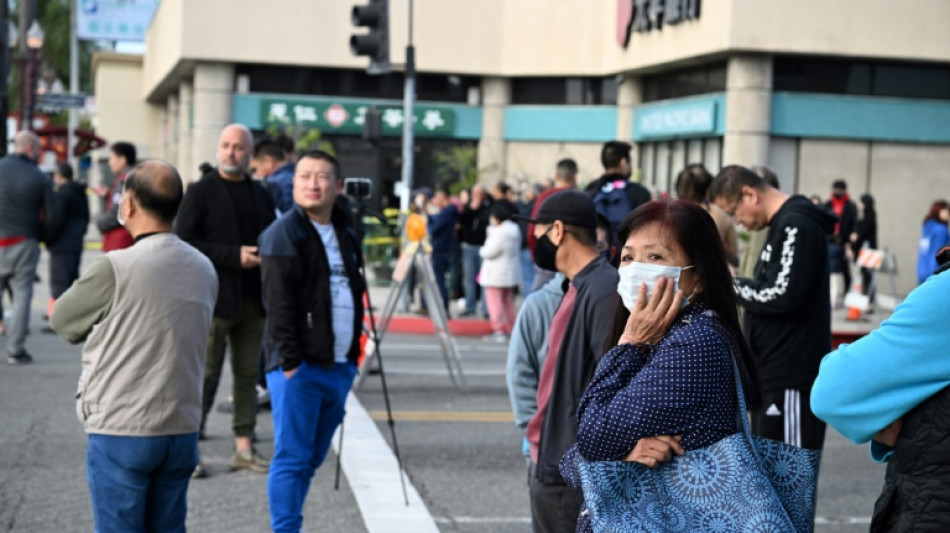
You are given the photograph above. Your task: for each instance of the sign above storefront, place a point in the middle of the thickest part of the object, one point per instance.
(643, 16)
(675, 120)
(341, 116)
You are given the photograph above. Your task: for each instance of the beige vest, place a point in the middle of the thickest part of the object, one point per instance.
(143, 364)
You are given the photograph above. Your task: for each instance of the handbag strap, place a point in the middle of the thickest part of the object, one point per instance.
(743, 413)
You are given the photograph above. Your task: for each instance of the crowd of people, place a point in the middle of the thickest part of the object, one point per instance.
(641, 315)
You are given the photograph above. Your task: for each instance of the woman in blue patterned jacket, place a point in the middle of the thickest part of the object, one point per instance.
(666, 384)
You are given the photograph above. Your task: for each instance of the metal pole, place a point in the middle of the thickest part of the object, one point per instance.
(26, 123)
(4, 74)
(73, 80)
(408, 107)
(27, 85)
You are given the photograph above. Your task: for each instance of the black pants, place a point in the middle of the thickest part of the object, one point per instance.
(63, 271)
(786, 416)
(554, 508)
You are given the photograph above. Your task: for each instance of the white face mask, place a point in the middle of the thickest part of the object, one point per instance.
(636, 274)
(118, 215)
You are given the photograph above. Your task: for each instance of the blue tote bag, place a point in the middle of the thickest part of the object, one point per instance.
(743, 483)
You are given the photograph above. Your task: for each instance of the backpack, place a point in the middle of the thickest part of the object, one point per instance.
(613, 202)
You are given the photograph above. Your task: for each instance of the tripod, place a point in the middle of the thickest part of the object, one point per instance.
(389, 413)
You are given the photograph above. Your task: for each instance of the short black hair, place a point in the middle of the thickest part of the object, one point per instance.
(65, 170)
(840, 184)
(323, 156)
(502, 211)
(126, 150)
(584, 235)
(613, 152)
(157, 188)
(269, 148)
(730, 181)
(286, 143)
(566, 168)
(503, 188)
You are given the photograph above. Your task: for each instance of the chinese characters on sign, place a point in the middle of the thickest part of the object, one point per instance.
(348, 117)
(114, 20)
(648, 15)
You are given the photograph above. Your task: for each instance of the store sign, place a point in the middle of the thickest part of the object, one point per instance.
(675, 120)
(114, 20)
(643, 16)
(347, 117)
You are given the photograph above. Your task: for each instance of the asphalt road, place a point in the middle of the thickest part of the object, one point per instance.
(459, 446)
(463, 452)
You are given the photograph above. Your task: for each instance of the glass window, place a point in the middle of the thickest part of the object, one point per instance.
(685, 82)
(564, 91)
(838, 76)
(911, 81)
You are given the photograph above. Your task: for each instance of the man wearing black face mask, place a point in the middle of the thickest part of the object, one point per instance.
(565, 227)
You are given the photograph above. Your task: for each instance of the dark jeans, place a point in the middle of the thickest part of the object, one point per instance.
(63, 271)
(471, 265)
(554, 508)
(140, 483)
(243, 333)
(440, 266)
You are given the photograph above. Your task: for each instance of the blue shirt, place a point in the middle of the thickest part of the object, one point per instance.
(865, 386)
(934, 237)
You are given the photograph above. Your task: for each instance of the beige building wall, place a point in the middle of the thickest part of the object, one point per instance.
(824, 161)
(531, 162)
(122, 114)
(535, 37)
(905, 180)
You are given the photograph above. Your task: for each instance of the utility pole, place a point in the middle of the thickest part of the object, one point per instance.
(4, 74)
(408, 114)
(73, 80)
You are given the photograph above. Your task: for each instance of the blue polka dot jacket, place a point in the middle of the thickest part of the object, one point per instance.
(682, 386)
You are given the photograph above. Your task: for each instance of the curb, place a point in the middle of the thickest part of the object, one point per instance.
(373, 474)
(423, 326)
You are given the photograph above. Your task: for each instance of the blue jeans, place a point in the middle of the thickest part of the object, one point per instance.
(471, 264)
(306, 410)
(527, 271)
(140, 483)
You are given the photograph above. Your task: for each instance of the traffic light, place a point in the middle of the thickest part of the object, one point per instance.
(372, 125)
(375, 44)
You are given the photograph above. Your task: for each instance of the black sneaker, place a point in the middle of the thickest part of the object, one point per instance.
(21, 358)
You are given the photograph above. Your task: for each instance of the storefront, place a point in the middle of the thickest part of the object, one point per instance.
(715, 82)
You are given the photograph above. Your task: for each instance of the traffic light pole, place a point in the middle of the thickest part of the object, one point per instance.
(408, 124)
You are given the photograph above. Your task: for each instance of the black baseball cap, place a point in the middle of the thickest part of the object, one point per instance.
(572, 207)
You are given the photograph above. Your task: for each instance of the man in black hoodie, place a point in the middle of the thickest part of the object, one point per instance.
(787, 301)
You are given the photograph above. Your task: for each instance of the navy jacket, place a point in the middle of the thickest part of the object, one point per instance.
(296, 288)
(73, 209)
(27, 204)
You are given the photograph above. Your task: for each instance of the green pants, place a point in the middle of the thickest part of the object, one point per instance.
(243, 333)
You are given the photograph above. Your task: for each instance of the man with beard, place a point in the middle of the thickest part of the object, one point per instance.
(222, 215)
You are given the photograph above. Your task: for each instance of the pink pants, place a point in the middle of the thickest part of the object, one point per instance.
(501, 308)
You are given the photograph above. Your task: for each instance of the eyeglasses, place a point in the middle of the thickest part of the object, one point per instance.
(732, 210)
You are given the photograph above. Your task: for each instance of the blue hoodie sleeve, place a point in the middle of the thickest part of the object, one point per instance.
(865, 386)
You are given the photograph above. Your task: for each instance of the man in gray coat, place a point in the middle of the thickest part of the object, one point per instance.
(26, 213)
(146, 326)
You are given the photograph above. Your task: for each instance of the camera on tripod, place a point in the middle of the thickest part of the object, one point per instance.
(359, 189)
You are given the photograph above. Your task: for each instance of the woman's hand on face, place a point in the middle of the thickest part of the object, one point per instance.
(651, 451)
(650, 320)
